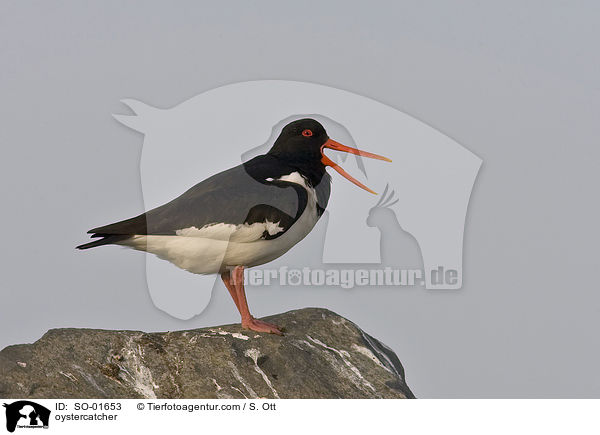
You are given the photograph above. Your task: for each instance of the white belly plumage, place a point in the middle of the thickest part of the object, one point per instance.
(217, 247)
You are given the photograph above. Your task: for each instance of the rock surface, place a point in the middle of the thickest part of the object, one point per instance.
(322, 355)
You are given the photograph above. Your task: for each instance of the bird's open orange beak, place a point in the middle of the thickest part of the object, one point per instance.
(331, 144)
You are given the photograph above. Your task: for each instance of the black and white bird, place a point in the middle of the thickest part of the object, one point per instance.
(242, 217)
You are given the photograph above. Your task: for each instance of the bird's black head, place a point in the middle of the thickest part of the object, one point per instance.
(301, 145)
(300, 142)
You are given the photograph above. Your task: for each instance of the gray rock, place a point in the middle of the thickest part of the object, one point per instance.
(322, 355)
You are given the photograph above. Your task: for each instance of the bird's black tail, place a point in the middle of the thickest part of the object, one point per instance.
(107, 239)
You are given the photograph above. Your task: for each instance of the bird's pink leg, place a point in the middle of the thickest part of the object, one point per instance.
(248, 321)
(228, 281)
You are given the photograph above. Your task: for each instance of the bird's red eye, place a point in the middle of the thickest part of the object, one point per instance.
(307, 133)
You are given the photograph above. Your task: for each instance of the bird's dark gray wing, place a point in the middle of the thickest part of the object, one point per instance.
(230, 197)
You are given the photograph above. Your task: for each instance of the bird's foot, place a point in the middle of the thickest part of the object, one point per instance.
(261, 326)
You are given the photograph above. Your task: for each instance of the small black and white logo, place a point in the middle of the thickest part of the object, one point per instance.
(26, 414)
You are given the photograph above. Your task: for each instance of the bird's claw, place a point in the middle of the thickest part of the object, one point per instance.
(261, 326)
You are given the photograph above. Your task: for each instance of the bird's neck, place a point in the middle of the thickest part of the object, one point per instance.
(312, 171)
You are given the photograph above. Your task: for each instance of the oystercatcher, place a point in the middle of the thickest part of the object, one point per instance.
(242, 217)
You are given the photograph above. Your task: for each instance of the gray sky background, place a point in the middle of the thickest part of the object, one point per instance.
(515, 82)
